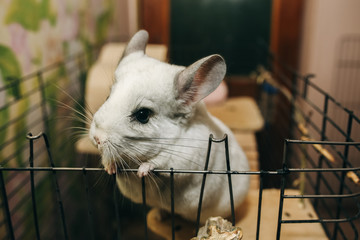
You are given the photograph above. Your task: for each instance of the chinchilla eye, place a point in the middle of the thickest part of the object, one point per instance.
(143, 115)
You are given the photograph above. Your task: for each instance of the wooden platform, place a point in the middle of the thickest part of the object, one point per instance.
(246, 219)
(239, 114)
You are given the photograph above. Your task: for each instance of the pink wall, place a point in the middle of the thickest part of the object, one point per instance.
(326, 24)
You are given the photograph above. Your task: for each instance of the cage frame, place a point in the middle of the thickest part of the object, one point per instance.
(282, 172)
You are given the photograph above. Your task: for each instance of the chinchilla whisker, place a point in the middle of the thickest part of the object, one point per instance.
(114, 154)
(85, 108)
(77, 135)
(214, 149)
(152, 176)
(144, 140)
(103, 178)
(177, 153)
(167, 152)
(180, 158)
(77, 112)
(181, 145)
(78, 128)
(182, 155)
(154, 185)
(118, 159)
(163, 138)
(76, 118)
(170, 150)
(175, 145)
(199, 163)
(139, 150)
(119, 162)
(115, 158)
(127, 155)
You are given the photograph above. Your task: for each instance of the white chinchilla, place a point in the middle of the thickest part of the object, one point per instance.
(154, 119)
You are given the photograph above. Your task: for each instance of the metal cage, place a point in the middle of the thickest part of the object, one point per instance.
(47, 191)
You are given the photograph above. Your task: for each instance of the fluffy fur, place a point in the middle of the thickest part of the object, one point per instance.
(175, 135)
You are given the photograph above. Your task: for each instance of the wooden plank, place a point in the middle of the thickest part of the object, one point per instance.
(246, 219)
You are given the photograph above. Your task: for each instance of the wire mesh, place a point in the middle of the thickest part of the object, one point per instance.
(48, 191)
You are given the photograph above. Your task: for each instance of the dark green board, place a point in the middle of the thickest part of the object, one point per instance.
(232, 28)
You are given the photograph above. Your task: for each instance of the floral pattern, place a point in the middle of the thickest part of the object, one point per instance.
(41, 32)
(38, 33)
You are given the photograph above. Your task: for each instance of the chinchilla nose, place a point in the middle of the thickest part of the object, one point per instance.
(97, 140)
(97, 135)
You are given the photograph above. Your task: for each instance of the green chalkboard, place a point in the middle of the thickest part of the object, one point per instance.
(232, 28)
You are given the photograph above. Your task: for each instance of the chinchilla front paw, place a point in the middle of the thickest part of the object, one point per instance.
(145, 169)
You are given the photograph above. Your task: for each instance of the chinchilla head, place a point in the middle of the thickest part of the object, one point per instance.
(150, 100)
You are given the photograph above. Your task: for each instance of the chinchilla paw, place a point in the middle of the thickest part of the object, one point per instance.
(145, 169)
(110, 168)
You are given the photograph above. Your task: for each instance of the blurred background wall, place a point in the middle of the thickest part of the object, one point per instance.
(34, 34)
(307, 33)
(312, 36)
(330, 48)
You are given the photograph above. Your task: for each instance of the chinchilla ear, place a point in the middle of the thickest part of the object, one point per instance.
(137, 43)
(200, 79)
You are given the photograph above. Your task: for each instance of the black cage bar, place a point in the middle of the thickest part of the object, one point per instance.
(47, 193)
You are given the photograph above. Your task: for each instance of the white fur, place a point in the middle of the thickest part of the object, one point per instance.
(175, 136)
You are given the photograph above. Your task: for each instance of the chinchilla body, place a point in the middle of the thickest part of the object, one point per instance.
(154, 119)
